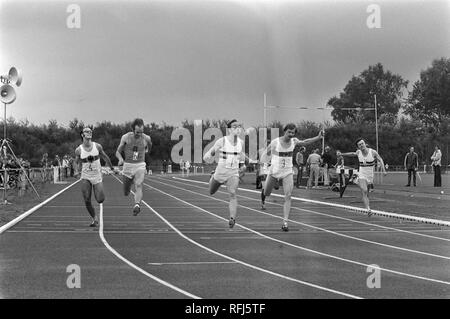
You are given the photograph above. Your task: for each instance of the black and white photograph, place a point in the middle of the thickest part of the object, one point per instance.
(240, 152)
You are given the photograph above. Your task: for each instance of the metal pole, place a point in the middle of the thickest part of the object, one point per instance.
(265, 110)
(376, 120)
(265, 121)
(4, 158)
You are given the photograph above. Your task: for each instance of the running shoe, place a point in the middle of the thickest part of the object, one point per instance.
(263, 200)
(136, 210)
(232, 222)
(94, 224)
(285, 227)
(369, 212)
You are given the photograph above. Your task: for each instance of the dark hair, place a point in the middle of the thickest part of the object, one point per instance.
(358, 139)
(290, 126)
(81, 132)
(137, 122)
(231, 122)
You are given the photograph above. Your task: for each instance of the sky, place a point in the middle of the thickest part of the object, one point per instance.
(167, 61)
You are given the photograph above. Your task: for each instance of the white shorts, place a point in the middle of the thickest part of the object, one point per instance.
(281, 173)
(366, 174)
(223, 174)
(130, 169)
(94, 179)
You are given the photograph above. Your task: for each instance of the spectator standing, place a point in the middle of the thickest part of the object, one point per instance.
(300, 161)
(436, 162)
(411, 164)
(164, 165)
(340, 167)
(326, 165)
(65, 166)
(313, 162)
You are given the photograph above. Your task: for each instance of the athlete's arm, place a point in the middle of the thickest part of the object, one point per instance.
(77, 161)
(120, 150)
(148, 139)
(268, 151)
(349, 154)
(309, 140)
(212, 151)
(105, 156)
(380, 160)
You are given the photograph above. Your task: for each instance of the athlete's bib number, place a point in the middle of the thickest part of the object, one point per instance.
(285, 162)
(232, 162)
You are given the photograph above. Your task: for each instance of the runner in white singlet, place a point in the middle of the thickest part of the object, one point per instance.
(231, 155)
(367, 158)
(281, 149)
(88, 164)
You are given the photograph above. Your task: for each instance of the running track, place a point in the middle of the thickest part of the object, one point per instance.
(180, 246)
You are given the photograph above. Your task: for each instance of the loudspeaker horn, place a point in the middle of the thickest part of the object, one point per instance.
(15, 76)
(7, 94)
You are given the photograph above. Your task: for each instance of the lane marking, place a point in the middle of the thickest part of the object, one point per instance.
(129, 263)
(300, 247)
(323, 214)
(320, 228)
(33, 209)
(352, 208)
(236, 260)
(193, 263)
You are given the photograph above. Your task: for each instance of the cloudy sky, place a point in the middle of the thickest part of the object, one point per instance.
(175, 60)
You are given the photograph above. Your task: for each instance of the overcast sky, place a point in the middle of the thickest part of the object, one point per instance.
(175, 60)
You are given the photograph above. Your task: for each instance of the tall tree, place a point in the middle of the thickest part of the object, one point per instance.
(359, 94)
(429, 101)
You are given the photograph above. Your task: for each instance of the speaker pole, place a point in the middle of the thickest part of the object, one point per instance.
(5, 201)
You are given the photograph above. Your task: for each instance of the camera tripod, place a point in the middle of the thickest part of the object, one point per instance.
(5, 144)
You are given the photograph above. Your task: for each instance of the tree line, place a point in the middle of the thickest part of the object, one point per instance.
(31, 141)
(420, 119)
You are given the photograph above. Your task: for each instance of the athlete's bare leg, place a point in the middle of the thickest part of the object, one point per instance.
(268, 186)
(86, 190)
(288, 186)
(232, 186)
(139, 177)
(363, 185)
(127, 183)
(213, 185)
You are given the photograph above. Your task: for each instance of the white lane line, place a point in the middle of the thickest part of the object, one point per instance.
(322, 229)
(193, 263)
(297, 246)
(323, 214)
(231, 258)
(129, 263)
(33, 209)
(247, 264)
(353, 208)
